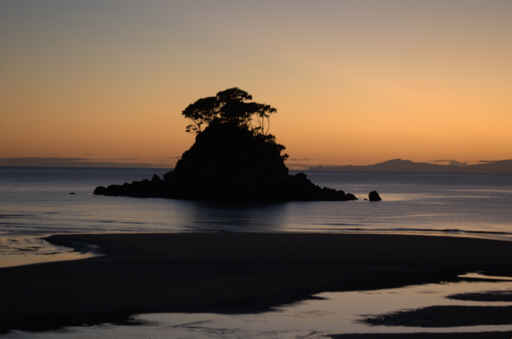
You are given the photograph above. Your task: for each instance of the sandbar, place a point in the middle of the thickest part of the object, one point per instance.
(226, 273)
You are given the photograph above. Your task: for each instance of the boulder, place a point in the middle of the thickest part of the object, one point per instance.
(374, 196)
(350, 196)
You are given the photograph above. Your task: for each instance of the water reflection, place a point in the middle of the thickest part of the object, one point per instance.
(252, 217)
(339, 312)
(35, 202)
(26, 250)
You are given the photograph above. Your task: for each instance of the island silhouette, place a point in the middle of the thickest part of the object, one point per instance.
(234, 158)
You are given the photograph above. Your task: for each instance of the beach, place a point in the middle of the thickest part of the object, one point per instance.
(226, 272)
(256, 169)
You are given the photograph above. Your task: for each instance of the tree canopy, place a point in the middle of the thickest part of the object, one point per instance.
(232, 106)
(233, 158)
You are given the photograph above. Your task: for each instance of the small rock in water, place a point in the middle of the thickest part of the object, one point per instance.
(374, 196)
(350, 196)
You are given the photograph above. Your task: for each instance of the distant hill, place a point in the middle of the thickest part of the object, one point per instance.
(400, 165)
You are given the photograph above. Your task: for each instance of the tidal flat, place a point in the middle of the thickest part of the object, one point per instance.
(229, 273)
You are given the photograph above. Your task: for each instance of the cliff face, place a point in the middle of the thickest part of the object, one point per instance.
(230, 162)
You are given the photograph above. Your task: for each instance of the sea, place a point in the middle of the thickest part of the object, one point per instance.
(36, 202)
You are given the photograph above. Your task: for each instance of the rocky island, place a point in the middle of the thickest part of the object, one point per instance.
(234, 158)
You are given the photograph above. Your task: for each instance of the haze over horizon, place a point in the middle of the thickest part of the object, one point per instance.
(354, 82)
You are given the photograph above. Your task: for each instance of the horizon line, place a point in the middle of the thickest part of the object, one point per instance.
(77, 162)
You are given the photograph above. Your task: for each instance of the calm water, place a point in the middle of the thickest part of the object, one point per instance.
(332, 313)
(36, 202)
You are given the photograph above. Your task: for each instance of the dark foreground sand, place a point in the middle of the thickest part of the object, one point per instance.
(481, 335)
(227, 272)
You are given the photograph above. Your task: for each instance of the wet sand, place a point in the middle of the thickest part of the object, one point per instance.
(226, 273)
(504, 296)
(481, 335)
(447, 316)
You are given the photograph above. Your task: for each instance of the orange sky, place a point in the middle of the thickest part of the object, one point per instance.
(355, 82)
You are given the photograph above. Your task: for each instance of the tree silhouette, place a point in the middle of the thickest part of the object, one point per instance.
(231, 106)
(233, 158)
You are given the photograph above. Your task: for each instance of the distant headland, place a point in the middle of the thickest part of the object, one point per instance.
(401, 165)
(234, 158)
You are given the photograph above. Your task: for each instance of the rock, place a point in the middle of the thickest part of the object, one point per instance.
(100, 190)
(232, 163)
(350, 196)
(374, 196)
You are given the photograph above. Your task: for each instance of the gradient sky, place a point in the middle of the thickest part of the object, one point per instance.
(355, 81)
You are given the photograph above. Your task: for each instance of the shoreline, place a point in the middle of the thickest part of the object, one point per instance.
(83, 250)
(34, 249)
(227, 273)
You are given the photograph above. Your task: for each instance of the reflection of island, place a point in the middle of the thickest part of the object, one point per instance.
(233, 158)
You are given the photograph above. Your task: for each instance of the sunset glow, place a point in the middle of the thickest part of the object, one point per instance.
(354, 82)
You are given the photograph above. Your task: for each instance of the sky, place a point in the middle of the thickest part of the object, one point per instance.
(354, 82)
